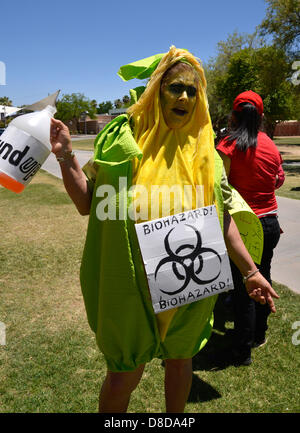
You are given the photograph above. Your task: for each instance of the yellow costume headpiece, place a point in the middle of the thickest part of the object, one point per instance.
(171, 157)
(182, 156)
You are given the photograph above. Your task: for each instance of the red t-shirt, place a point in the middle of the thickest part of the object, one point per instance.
(253, 173)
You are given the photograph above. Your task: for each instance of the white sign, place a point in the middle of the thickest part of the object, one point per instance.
(185, 258)
(21, 155)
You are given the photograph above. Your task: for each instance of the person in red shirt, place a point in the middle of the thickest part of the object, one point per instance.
(253, 166)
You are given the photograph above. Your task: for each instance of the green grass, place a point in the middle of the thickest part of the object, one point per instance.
(51, 363)
(86, 144)
(291, 186)
(287, 140)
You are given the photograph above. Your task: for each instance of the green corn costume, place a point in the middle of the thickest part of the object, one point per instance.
(113, 281)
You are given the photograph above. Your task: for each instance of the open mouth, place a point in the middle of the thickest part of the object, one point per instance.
(179, 111)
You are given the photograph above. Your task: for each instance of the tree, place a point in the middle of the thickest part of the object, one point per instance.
(265, 71)
(71, 107)
(118, 103)
(283, 23)
(126, 101)
(104, 107)
(94, 104)
(215, 71)
(4, 100)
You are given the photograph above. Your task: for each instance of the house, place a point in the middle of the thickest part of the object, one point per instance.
(6, 111)
(94, 126)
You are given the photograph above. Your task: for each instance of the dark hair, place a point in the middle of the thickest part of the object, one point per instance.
(244, 127)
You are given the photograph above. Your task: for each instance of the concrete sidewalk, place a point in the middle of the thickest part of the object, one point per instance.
(286, 260)
(52, 166)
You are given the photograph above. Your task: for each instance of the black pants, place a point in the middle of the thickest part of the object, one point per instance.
(250, 317)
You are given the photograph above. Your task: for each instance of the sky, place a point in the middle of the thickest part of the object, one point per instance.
(78, 46)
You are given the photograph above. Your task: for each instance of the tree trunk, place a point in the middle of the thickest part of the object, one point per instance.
(268, 126)
(76, 123)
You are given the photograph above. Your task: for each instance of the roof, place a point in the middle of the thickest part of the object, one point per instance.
(8, 111)
(40, 105)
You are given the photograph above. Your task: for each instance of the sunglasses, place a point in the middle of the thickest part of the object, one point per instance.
(178, 89)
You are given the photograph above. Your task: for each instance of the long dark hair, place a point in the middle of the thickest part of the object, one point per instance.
(244, 127)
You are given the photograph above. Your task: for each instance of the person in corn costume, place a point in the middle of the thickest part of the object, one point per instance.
(165, 139)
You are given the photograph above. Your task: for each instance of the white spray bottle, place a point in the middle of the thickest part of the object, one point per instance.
(24, 147)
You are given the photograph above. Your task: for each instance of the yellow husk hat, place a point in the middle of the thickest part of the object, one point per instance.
(182, 156)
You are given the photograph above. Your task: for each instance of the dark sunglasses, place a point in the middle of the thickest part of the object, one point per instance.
(179, 88)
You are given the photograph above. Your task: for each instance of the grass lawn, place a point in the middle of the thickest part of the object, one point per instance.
(295, 141)
(289, 148)
(291, 186)
(86, 144)
(50, 362)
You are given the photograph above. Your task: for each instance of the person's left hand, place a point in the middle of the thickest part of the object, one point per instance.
(261, 291)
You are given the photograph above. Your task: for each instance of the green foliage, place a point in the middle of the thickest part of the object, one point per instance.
(245, 62)
(4, 100)
(104, 107)
(94, 104)
(234, 43)
(283, 23)
(216, 70)
(126, 101)
(118, 103)
(265, 70)
(71, 107)
(240, 76)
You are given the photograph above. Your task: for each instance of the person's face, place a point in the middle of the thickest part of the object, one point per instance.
(178, 97)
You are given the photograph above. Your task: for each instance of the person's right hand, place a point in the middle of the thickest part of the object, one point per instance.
(60, 138)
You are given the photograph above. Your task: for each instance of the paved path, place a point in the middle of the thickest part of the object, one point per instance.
(52, 166)
(82, 137)
(286, 260)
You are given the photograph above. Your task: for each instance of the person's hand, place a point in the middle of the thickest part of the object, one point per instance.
(261, 291)
(60, 138)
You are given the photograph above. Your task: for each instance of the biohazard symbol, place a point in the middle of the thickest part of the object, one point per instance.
(187, 262)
